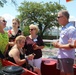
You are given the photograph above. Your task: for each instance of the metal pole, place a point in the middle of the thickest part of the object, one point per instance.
(58, 26)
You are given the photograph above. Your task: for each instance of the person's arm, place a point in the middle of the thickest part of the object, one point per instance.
(30, 56)
(39, 47)
(11, 43)
(17, 59)
(65, 46)
(71, 35)
(74, 45)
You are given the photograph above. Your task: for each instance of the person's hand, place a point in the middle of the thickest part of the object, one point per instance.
(36, 47)
(72, 43)
(30, 57)
(11, 43)
(56, 44)
(75, 43)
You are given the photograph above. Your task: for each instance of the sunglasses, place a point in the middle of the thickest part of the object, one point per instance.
(59, 16)
(32, 29)
(4, 21)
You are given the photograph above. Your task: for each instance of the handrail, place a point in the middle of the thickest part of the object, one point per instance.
(46, 40)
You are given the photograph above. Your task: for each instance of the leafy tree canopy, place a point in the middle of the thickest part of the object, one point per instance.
(2, 2)
(42, 14)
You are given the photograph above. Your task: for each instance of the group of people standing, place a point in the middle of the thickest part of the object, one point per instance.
(21, 48)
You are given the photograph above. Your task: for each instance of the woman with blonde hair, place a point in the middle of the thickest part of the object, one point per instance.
(16, 54)
(34, 44)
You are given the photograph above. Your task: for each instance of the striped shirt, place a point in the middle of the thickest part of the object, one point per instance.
(67, 32)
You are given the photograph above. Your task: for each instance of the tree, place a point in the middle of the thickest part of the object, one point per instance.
(42, 14)
(2, 2)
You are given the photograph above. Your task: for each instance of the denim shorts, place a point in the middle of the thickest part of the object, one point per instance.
(65, 65)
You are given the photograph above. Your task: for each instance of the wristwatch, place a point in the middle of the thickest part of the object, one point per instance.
(71, 46)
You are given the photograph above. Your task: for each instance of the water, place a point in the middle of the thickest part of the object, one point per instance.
(48, 52)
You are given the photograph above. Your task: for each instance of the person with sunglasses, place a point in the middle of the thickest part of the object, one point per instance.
(34, 44)
(4, 39)
(16, 54)
(66, 53)
(13, 33)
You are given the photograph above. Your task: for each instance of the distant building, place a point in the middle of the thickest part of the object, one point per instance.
(7, 28)
(56, 31)
(74, 23)
(53, 31)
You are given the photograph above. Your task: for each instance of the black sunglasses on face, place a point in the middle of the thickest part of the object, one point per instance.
(59, 16)
(4, 21)
(32, 29)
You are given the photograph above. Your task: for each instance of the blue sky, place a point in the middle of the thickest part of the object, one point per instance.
(9, 10)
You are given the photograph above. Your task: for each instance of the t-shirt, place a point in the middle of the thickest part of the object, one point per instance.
(4, 39)
(29, 46)
(12, 37)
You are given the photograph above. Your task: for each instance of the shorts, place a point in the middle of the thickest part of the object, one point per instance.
(65, 65)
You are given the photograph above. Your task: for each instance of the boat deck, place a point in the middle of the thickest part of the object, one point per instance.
(48, 67)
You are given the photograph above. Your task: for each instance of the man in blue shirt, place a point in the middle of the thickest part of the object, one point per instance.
(66, 53)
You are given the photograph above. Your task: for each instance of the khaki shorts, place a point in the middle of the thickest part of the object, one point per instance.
(65, 65)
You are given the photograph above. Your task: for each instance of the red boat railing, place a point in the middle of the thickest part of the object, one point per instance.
(48, 67)
(8, 63)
